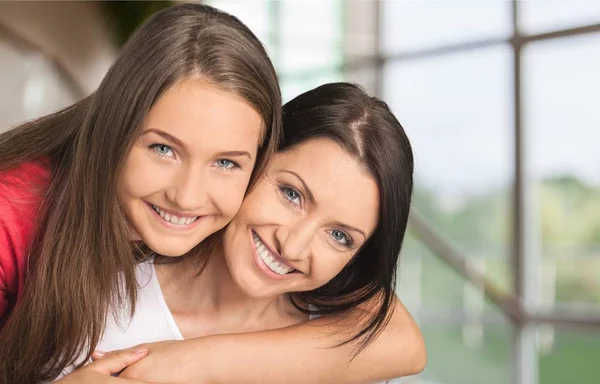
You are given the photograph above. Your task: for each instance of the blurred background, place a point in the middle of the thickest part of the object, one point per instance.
(501, 100)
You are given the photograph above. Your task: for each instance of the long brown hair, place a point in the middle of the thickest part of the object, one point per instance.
(81, 244)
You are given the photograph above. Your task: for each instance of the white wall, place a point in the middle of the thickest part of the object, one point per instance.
(75, 34)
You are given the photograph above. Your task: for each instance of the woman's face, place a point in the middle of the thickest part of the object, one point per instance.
(303, 221)
(188, 171)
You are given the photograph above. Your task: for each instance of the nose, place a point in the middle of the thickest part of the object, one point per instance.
(294, 240)
(190, 190)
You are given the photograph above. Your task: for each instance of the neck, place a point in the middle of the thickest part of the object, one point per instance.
(213, 295)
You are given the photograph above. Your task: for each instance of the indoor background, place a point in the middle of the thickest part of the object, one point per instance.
(501, 100)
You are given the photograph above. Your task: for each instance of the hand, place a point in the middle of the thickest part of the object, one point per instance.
(164, 363)
(100, 371)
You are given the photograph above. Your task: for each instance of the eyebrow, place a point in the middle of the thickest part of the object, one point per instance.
(350, 228)
(180, 143)
(311, 197)
(235, 154)
(165, 135)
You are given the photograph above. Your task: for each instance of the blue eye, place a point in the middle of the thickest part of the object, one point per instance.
(226, 164)
(292, 195)
(341, 237)
(162, 150)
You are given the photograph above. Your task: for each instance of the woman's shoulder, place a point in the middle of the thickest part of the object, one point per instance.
(22, 190)
(25, 178)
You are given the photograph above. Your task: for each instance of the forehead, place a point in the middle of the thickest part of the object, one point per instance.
(205, 117)
(342, 188)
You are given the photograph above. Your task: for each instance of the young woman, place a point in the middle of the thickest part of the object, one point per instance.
(74, 217)
(319, 234)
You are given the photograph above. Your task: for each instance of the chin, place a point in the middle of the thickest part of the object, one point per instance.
(175, 250)
(256, 289)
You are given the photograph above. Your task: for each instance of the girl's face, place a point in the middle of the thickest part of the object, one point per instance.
(303, 221)
(187, 172)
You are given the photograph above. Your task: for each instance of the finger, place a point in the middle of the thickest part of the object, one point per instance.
(118, 380)
(97, 355)
(117, 361)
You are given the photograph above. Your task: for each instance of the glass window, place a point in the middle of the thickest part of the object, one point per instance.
(310, 36)
(561, 92)
(569, 356)
(254, 13)
(414, 25)
(540, 16)
(467, 339)
(457, 111)
(293, 87)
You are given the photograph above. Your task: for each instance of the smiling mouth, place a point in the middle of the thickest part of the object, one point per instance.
(173, 219)
(268, 258)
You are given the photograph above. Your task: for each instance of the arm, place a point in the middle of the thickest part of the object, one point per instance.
(298, 354)
(101, 372)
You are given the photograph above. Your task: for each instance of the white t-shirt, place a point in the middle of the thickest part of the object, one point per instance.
(152, 320)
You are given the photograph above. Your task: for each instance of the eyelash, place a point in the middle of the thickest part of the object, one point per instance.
(234, 165)
(286, 188)
(347, 238)
(154, 148)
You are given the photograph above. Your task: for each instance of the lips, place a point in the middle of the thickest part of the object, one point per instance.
(272, 261)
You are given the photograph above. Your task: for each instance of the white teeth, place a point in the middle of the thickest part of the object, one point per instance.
(172, 218)
(268, 258)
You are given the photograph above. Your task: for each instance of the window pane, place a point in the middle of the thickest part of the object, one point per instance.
(292, 87)
(254, 13)
(321, 56)
(324, 18)
(467, 339)
(561, 93)
(452, 361)
(302, 48)
(457, 111)
(569, 356)
(411, 25)
(539, 16)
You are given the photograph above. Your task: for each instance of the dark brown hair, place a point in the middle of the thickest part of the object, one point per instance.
(366, 129)
(81, 244)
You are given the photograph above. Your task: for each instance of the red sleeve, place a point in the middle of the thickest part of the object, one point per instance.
(21, 192)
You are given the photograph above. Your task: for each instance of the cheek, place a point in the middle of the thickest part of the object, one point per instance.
(229, 194)
(326, 264)
(141, 176)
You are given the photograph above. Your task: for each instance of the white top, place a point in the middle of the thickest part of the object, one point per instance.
(152, 320)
